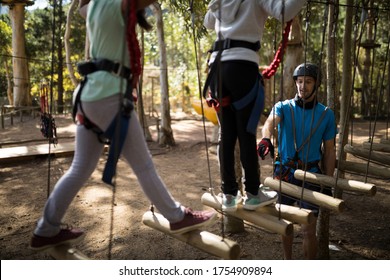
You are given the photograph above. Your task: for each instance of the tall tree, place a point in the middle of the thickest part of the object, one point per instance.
(166, 133)
(68, 51)
(19, 61)
(60, 57)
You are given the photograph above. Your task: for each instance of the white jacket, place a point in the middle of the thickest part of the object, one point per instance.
(245, 20)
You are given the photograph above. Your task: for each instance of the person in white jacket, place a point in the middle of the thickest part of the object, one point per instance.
(238, 95)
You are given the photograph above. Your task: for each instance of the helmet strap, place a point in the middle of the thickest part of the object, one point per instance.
(305, 105)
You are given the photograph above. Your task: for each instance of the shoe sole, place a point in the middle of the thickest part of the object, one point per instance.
(254, 207)
(67, 242)
(208, 222)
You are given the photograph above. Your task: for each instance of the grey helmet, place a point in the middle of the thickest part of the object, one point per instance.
(308, 69)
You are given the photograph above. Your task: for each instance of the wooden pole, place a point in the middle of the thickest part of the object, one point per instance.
(375, 156)
(361, 168)
(379, 147)
(313, 197)
(385, 141)
(203, 240)
(290, 213)
(345, 184)
(263, 220)
(66, 252)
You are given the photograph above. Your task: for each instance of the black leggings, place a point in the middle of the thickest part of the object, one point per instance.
(238, 78)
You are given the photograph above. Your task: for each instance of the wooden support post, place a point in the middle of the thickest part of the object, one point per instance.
(375, 156)
(316, 198)
(345, 184)
(66, 252)
(361, 168)
(379, 147)
(203, 240)
(263, 220)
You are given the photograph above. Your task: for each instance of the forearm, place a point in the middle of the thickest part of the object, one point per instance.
(269, 126)
(329, 161)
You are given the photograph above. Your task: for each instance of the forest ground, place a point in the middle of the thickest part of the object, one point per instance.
(112, 221)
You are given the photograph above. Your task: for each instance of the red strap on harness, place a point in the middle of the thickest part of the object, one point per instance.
(212, 102)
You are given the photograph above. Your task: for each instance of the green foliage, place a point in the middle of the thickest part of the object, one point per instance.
(5, 51)
(184, 32)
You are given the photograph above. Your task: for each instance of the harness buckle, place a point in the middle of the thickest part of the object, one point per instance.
(120, 71)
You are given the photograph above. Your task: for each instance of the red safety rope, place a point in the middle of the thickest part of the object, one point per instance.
(271, 70)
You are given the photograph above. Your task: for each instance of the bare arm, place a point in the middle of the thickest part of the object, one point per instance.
(269, 125)
(329, 158)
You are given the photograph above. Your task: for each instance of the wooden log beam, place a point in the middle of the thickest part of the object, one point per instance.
(385, 141)
(66, 252)
(290, 213)
(345, 184)
(263, 220)
(313, 197)
(203, 240)
(361, 168)
(379, 147)
(373, 155)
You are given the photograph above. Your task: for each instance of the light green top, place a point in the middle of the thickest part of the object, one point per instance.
(105, 27)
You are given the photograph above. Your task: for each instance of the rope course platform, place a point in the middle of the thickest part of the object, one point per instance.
(13, 154)
(21, 153)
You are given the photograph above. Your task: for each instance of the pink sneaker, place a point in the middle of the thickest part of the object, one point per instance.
(193, 220)
(65, 236)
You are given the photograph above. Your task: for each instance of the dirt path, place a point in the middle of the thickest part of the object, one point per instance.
(113, 219)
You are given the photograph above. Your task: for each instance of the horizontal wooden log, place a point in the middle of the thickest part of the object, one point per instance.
(361, 168)
(203, 240)
(379, 147)
(372, 155)
(317, 198)
(344, 184)
(290, 213)
(384, 141)
(263, 220)
(66, 252)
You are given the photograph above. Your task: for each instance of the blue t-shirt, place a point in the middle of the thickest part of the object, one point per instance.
(106, 31)
(305, 121)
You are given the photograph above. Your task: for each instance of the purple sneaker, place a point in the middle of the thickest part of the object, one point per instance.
(193, 220)
(65, 236)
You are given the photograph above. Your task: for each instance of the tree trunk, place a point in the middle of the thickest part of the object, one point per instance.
(60, 65)
(19, 60)
(9, 84)
(68, 52)
(346, 85)
(331, 66)
(293, 57)
(165, 137)
(140, 102)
